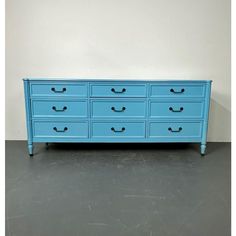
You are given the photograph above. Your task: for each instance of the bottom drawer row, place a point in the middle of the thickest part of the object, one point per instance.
(102, 130)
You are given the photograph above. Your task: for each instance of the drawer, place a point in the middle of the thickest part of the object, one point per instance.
(59, 108)
(118, 90)
(118, 109)
(60, 129)
(176, 109)
(175, 129)
(177, 90)
(57, 90)
(118, 129)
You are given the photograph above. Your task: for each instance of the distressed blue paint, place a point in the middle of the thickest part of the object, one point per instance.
(116, 111)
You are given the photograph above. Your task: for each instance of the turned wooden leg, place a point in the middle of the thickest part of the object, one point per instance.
(30, 148)
(203, 149)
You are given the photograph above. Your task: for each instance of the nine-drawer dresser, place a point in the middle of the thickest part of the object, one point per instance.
(65, 110)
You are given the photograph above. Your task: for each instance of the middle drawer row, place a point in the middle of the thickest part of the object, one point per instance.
(117, 109)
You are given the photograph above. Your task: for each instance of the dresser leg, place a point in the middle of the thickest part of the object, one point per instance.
(30, 148)
(203, 149)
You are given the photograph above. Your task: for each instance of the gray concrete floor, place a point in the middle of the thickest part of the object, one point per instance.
(121, 189)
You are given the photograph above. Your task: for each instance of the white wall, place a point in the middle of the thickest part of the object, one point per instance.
(141, 39)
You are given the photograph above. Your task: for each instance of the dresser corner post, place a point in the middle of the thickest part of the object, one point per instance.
(28, 116)
(206, 117)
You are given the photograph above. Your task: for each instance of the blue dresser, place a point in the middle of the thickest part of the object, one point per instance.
(117, 111)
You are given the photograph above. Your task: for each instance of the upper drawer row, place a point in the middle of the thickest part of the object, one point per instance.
(117, 90)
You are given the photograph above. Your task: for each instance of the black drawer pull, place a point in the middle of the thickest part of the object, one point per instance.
(115, 110)
(58, 91)
(175, 131)
(180, 110)
(64, 130)
(117, 131)
(173, 91)
(114, 91)
(59, 110)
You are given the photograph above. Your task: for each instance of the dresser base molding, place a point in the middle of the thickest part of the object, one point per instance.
(112, 111)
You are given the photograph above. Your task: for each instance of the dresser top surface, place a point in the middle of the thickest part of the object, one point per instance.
(118, 80)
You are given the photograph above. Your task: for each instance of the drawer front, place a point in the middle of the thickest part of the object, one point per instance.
(60, 129)
(176, 109)
(177, 90)
(118, 129)
(57, 90)
(118, 109)
(118, 90)
(59, 108)
(175, 129)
